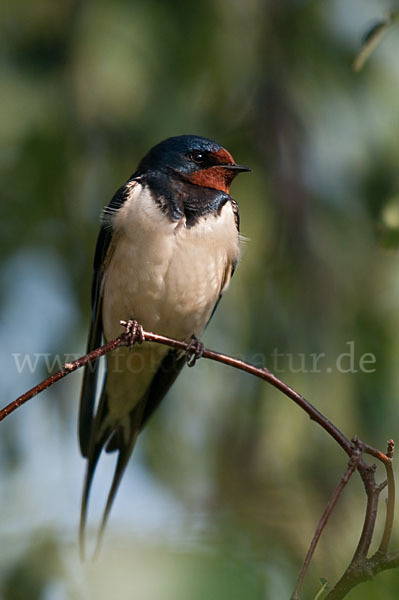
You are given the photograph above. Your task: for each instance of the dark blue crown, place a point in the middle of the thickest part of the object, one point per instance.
(174, 152)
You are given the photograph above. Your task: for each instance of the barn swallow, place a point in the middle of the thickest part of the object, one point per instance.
(167, 249)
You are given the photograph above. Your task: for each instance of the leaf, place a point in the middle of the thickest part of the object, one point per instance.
(372, 38)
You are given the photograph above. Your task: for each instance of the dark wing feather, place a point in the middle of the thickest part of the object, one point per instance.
(90, 375)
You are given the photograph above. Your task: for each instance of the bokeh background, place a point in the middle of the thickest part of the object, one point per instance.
(228, 481)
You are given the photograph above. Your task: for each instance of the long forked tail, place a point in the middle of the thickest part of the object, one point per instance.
(91, 467)
(125, 449)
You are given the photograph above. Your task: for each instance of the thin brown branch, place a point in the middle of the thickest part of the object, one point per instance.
(372, 491)
(266, 375)
(65, 370)
(386, 536)
(148, 336)
(352, 466)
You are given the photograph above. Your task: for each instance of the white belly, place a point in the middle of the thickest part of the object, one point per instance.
(166, 276)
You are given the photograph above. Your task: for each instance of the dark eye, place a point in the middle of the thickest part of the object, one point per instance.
(198, 157)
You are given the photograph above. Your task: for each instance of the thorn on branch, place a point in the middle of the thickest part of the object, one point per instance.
(382, 486)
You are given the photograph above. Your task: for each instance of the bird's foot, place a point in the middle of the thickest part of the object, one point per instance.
(194, 351)
(134, 332)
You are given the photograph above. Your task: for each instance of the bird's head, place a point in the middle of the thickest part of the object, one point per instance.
(194, 159)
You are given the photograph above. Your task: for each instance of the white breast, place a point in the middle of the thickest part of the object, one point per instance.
(165, 275)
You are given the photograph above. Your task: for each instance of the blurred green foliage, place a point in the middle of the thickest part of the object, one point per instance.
(88, 88)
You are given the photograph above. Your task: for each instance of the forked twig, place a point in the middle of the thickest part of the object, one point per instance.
(362, 568)
(352, 465)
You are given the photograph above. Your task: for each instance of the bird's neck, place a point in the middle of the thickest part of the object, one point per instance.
(179, 198)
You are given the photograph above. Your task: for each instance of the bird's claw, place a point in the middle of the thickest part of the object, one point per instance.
(134, 332)
(194, 351)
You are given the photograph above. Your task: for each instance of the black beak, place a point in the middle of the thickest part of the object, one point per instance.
(238, 168)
